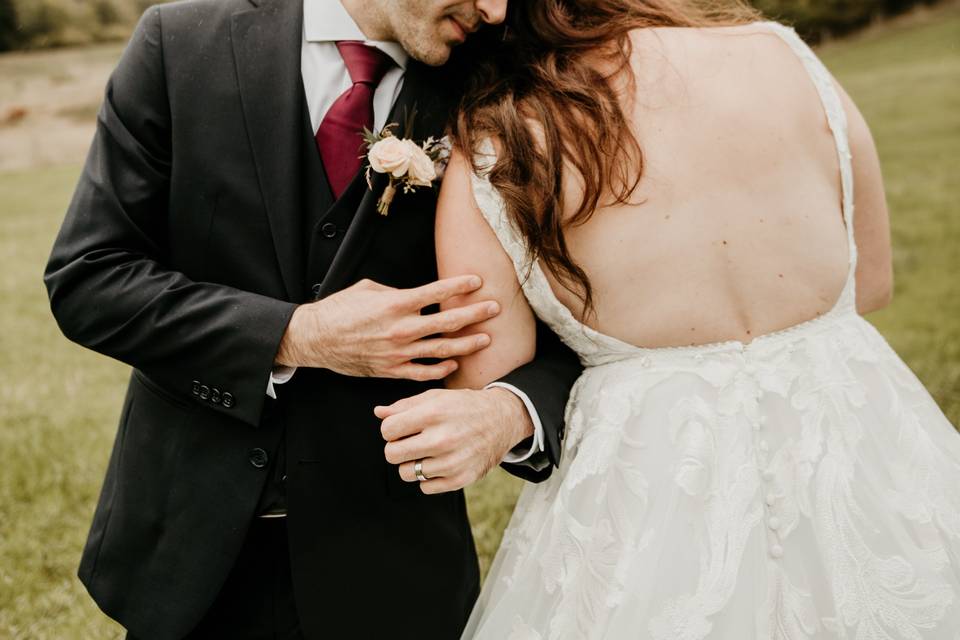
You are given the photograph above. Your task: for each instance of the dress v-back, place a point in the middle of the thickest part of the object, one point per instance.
(800, 486)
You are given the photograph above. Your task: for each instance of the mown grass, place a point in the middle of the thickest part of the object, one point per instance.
(58, 410)
(59, 403)
(906, 81)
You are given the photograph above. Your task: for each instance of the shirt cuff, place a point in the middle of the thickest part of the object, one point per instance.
(518, 455)
(279, 375)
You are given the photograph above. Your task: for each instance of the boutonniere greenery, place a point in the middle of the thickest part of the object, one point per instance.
(409, 165)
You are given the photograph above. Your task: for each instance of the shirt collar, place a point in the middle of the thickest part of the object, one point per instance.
(329, 21)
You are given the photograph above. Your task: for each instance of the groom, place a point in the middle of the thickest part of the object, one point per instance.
(223, 242)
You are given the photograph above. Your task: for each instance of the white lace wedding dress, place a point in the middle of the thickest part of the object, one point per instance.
(802, 486)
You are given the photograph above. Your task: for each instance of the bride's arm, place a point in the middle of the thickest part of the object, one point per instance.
(467, 244)
(871, 223)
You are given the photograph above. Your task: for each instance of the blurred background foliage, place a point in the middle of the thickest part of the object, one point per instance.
(819, 20)
(37, 24)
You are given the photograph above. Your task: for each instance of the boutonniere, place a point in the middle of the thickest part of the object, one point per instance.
(408, 164)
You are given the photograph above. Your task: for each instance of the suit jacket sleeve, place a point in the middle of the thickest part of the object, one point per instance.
(547, 381)
(110, 286)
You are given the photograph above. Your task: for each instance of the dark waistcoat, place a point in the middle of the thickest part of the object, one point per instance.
(324, 220)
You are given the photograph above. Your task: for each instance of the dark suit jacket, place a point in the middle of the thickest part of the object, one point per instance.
(182, 255)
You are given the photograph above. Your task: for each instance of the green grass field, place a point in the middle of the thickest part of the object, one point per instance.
(59, 403)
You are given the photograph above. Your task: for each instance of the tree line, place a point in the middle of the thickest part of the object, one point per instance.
(40, 24)
(36, 24)
(817, 20)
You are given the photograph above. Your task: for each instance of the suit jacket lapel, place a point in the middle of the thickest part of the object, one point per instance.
(266, 44)
(367, 220)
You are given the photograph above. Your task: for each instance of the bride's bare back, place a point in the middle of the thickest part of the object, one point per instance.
(736, 230)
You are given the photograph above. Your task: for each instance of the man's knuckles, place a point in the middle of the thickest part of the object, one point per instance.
(442, 350)
(400, 333)
(395, 453)
(424, 375)
(452, 323)
(403, 450)
(432, 395)
(433, 487)
(390, 429)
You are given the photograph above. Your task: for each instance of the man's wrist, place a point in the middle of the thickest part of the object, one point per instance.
(290, 353)
(515, 415)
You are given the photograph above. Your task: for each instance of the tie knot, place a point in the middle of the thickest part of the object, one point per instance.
(366, 65)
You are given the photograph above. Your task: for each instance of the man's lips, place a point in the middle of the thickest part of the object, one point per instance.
(461, 30)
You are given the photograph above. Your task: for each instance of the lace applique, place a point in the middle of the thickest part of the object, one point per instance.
(792, 613)
(522, 631)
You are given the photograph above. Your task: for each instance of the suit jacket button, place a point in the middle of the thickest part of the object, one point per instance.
(258, 458)
(227, 399)
(328, 230)
(204, 392)
(196, 387)
(215, 395)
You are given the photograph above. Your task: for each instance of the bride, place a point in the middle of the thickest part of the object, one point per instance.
(745, 457)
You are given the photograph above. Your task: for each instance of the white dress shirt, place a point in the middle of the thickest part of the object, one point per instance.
(325, 78)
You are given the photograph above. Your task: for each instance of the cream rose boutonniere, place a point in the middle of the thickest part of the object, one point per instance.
(409, 165)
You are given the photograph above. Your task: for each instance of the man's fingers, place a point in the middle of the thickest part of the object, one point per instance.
(443, 290)
(442, 485)
(404, 404)
(439, 474)
(410, 416)
(444, 348)
(402, 425)
(372, 285)
(423, 372)
(424, 443)
(432, 468)
(453, 320)
(407, 473)
(401, 405)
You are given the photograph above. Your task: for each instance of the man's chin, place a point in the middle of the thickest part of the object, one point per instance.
(434, 56)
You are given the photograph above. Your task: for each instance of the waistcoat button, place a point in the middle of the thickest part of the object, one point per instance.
(258, 458)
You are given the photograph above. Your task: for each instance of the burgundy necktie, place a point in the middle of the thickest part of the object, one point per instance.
(339, 137)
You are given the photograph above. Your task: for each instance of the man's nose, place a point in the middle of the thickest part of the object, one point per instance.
(492, 11)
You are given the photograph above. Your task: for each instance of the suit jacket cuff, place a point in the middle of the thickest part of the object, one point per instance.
(526, 452)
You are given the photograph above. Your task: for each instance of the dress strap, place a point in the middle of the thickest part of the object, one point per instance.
(586, 342)
(837, 120)
(493, 207)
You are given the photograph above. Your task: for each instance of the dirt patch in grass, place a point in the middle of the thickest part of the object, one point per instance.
(13, 116)
(49, 102)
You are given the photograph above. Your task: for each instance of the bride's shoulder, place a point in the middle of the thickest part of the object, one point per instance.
(707, 37)
(707, 52)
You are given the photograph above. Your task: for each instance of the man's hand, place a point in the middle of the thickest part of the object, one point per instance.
(371, 330)
(459, 434)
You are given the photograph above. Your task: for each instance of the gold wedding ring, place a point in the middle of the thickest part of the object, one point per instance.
(418, 471)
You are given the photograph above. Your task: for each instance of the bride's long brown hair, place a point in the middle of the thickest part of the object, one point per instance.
(541, 95)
